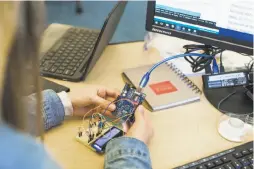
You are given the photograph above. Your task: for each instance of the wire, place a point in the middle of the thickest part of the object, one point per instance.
(146, 77)
(226, 98)
(200, 63)
(101, 116)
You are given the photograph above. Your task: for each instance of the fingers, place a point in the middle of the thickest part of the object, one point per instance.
(139, 113)
(126, 127)
(104, 103)
(105, 92)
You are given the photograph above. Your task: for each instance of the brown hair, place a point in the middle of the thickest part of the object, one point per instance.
(22, 68)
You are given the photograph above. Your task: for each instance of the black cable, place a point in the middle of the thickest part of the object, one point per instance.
(200, 63)
(226, 98)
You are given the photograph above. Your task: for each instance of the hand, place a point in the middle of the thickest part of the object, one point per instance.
(141, 128)
(87, 97)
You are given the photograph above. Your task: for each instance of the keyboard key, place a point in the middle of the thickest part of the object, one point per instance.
(45, 69)
(221, 167)
(47, 65)
(229, 166)
(250, 158)
(244, 162)
(237, 155)
(201, 167)
(72, 55)
(67, 72)
(70, 67)
(218, 162)
(53, 69)
(59, 71)
(67, 61)
(193, 164)
(184, 167)
(237, 165)
(54, 58)
(64, 64)
(72, 73)
(210, 165)
(61, 68)
(246, 167)
(245, 152)
(75, 60)
(251, 149)
(72, 64)
(57, 64)
(225, 159)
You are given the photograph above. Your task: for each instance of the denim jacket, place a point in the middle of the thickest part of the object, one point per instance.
(19, 151)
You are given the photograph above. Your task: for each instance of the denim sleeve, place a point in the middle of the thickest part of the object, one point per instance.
(52, 109)
(127, 153)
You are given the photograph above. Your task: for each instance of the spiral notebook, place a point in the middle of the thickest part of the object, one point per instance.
(168, 86)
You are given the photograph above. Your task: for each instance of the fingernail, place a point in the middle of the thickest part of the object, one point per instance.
(113, 107)
(141, 109)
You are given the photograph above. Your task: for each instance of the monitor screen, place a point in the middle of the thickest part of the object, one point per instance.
(228, 24)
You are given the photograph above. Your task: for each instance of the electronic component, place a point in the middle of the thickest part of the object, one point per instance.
(98, 142)
(225, 80)
(127, 103)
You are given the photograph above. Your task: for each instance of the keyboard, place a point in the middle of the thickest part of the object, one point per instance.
(240, 157)
(69, 54)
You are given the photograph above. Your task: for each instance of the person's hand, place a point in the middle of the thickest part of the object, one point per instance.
(142, 127)
(85, 98)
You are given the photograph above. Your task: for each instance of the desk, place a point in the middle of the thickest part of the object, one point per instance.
(182, 134)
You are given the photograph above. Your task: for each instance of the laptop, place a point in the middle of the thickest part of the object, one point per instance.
(74, 55)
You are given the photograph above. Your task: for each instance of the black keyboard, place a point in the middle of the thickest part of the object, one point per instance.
(240, 157)
(70, 53)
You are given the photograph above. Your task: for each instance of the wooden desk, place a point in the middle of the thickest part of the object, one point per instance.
(182, 134)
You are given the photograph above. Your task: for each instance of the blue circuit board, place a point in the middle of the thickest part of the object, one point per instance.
(127, 103)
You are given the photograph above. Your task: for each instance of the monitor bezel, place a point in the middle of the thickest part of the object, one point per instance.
(223, 45)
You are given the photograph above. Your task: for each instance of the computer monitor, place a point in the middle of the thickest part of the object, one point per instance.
(225, 24)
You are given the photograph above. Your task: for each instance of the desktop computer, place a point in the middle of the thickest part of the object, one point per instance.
(219, 26)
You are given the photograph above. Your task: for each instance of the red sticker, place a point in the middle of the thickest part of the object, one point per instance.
(163, 87)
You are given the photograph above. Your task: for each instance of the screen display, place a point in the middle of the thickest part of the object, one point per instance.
(108, 136)
(231, 21)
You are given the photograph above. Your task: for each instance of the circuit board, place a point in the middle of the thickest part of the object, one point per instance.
(127, 103)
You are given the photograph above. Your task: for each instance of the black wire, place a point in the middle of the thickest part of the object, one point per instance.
(223, 100)
(200, 63)
(226, 98)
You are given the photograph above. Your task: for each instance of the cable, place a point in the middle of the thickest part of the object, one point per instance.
(200, 63)
(146, 77)
(215, 67)
(226, 98)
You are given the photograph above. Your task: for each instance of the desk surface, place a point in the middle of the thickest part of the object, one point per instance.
(182, 134)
